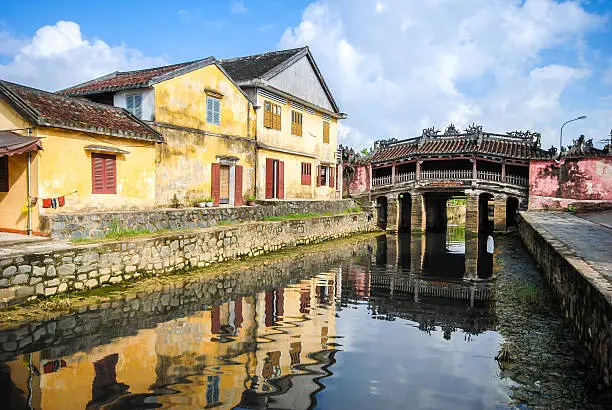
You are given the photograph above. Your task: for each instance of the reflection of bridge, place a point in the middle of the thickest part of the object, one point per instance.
(411, 180)
(422, 287)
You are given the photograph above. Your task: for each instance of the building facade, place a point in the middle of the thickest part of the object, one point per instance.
(296, 123)
(207, 121)
(60, 154)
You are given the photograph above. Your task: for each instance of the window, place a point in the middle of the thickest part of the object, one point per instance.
(213, 110)
(323, 177)
(306, 173)
(296, 123)
(134, 104)
(272, 115)
(4, 174)
(326, 132)
(103, 173)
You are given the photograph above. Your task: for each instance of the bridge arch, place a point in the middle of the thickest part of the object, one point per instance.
(405, 212)
(512, 207)
(486, 208)
(382, 212)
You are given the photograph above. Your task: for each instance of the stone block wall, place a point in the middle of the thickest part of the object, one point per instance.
(88, 266)
(96, 224)
(586, 297)
(99, 323)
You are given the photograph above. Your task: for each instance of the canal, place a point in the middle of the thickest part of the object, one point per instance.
(391, 322)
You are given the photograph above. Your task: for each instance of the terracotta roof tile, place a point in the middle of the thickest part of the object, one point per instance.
(53, 110)
(121, 80)
(507, 147)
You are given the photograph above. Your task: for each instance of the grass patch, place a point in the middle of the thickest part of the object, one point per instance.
(291, 216)
(527, 293)
(225, 223)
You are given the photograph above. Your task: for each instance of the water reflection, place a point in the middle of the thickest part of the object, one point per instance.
(379, 324)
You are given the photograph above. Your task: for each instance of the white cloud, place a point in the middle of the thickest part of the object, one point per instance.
(427, 63)
(59, 56)
(238, 7)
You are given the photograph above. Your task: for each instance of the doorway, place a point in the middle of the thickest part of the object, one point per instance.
(224, 184)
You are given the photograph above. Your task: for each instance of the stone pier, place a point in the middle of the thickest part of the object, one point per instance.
(499, 213)
(471, 213)
(417, 213)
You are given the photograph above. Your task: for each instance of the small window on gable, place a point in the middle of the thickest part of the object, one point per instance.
(296, 123)
(134, 104)
(213, 110)
(4, 174)
(103, 173)
(272, 115)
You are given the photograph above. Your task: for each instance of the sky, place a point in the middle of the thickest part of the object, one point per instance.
(394, 67)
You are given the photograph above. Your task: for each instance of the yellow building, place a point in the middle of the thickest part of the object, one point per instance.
(207, 121)
(297, 123)
(93, 157)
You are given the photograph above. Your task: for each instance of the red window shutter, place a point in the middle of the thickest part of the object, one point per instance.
(269, 178)
(110, 175)
(280, 187)
(319, 175)
(4, 174)
(238, 189)
(215, 183)
(331, 177)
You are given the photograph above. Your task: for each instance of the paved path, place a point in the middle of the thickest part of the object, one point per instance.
(588, 236)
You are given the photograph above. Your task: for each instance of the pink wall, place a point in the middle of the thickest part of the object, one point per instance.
(555, 184)
(360, 183)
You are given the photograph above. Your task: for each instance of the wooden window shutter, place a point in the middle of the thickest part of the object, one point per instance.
(267, 114)
(319, 175)
(103, 174)
(280, 187)
(326, 132)
(269, 178)
(238, 188)
(306, 174)
(4, 174)
(215, 183)
(331, 177)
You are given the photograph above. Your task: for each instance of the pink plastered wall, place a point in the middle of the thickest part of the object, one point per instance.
(360, 183)
(555, 184)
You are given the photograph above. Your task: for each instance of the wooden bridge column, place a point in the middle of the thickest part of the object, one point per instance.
(417, 213)
(471, 213)
(392, 213)
(499, 213)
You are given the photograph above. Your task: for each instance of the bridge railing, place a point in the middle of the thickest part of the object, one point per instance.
(451, 174)
(447, 174)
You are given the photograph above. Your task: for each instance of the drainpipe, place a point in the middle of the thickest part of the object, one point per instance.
(29, 228)
(255, 107)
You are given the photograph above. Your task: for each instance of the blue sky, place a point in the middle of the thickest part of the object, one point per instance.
(395, 66)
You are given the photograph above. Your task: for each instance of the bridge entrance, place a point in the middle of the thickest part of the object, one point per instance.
(405, 212)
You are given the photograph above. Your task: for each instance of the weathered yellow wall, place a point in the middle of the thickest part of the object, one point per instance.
(311, 142)
(184, 161)
(293, 176)
(65, 166)
(12, 202)
(181, 101)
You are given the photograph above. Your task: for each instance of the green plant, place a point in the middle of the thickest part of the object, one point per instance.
(353, 210)
(570, 208)
(250, 198)
(225, 222)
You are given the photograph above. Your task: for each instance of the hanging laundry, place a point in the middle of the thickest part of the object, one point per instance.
(54, 203)
(61, 201)
(46, 202)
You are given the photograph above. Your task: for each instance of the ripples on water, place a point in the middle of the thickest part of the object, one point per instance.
(389, 323)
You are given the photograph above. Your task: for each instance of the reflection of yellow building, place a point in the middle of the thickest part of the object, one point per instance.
(93, 156)
(207, 359)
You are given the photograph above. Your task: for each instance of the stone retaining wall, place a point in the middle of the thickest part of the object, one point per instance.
(96, 224)
(99, 323)
(586, 297)
(88, 266)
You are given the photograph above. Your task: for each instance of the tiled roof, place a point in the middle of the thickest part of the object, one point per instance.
(255, 66)
(53, 110)
(506, 147)
(121, 80)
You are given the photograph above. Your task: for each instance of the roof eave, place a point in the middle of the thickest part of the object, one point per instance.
(157, 138)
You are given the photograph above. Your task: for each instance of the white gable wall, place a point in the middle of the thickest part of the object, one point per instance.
(300, 79)
(148, 101)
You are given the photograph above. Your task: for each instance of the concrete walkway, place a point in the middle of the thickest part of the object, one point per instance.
(588, 236)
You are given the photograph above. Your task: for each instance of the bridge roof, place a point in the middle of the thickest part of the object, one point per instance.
(495, 145)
